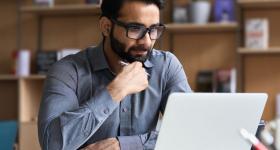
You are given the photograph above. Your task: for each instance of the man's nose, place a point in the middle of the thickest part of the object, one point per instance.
(146, 40)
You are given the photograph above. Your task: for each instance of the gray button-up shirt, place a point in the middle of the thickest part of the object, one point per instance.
(77, 110)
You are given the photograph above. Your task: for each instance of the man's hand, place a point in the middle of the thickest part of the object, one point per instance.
(132, 79)
(107, 144)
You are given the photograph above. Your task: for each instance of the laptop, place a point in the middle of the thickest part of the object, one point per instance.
(209, 121)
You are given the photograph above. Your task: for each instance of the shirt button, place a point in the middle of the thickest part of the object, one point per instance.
(106, 111)
(124, 110)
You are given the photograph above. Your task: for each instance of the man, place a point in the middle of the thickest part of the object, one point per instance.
(110, 96)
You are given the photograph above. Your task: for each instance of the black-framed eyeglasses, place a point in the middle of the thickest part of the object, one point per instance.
(137, 31)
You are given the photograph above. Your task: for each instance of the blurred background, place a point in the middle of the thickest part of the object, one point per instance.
(224, 46)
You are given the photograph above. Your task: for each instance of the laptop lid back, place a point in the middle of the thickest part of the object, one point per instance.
(212, 121)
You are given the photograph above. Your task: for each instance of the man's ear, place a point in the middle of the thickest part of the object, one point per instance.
(105, 25)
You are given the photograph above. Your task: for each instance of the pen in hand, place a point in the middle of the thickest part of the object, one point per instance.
(125, 64)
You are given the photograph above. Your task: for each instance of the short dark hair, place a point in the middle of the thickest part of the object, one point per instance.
(111, 8)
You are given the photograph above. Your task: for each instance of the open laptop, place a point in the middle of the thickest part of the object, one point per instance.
(209, 121)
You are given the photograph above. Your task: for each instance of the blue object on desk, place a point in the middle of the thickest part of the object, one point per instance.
(8, 133)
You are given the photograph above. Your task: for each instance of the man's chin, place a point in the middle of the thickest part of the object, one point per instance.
(141, 59)
(138, 57)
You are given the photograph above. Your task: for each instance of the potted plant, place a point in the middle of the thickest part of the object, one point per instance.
(200, 11)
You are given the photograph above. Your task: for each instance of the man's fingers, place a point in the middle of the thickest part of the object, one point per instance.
(100, 145)
(138, 64)
(90, 147)
(132, 79)
(104, 144)
(117, 145)
(133, 68)
(114, 145)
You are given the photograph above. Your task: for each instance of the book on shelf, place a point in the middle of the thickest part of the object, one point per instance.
(93, 1)
(204, 81)
(224, 10)
(65, 2)
(219, 80)
(278, 105)
(65, 52)
(44, 2)
(225, 80)
(45, 59)
(257, 33)
(179, 11)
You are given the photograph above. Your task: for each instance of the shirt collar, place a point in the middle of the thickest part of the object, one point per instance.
(148, 63)
(99, 62)
(97, 57)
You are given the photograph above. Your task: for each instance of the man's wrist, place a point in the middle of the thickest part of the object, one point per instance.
(117, 94)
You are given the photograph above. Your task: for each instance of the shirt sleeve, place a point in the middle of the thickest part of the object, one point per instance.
(63, 123)
(138, 142)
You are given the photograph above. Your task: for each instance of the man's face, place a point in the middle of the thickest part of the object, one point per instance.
(134, 13)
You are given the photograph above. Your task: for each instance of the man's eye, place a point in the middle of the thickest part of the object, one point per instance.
(134, 28)
(153, 29)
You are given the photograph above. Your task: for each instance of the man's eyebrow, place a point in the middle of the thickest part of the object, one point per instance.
(140, 24)
(157, 24)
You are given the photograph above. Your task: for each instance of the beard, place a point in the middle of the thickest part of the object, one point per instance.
(119, 49)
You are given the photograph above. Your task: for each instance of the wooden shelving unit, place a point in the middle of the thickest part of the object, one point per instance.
(31, 142)
(262, 4)
(58, 25)
(34, 77)
(259, 51)
(14, 77)
(259, 67)
(62, 9)
(210, 27)
(8, 77)
(202, 47)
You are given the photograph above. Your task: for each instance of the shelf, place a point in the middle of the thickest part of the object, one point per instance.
(210, 27)
(8, 77)
(34, 77)
(62, 9)
(273, 50)
(14, 77)
(260, 4)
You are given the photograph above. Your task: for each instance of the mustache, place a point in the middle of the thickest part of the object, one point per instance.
(139, 48)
